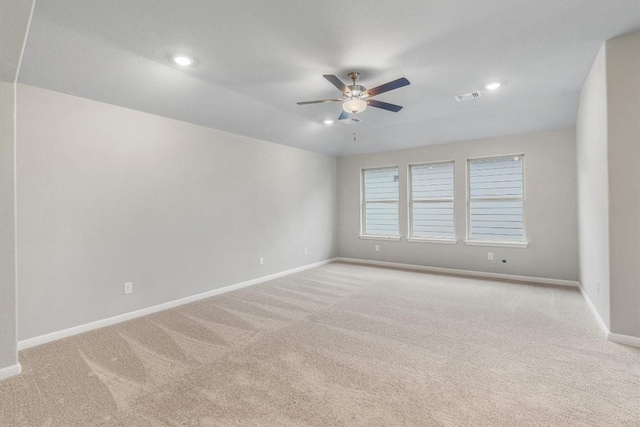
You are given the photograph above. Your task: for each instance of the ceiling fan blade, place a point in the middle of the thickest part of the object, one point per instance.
(388, 86)
(343, 115)
(319, 101)
(334, 80)
(384, 105)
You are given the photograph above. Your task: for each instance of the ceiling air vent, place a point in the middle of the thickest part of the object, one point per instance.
(468, 96)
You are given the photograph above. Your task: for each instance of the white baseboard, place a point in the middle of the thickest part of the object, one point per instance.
(53, 336)
(471, 273)
(10, 371)
(624, 339)
(594, 311)
(610, 336)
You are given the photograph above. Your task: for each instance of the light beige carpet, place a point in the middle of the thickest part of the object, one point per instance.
(340, 345)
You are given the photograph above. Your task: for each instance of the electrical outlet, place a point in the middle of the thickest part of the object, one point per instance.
(261, 260)
(305, 251)
(377, 248)
(128, 288)
(490, 256)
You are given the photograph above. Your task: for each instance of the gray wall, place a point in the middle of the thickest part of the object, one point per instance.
(108, 195)
(608, 148)
(623, 104)
(8, 350)
(550, 179)
(14, 23)
(593, 189)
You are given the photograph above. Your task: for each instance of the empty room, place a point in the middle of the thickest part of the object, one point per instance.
(294, 213)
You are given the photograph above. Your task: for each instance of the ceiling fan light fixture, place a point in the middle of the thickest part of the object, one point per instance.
(354, 105)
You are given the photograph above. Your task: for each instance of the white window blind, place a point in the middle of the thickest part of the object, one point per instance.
(431, 204)
(496, 199)
(380, 202)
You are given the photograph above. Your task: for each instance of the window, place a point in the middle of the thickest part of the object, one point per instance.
(431, 201)
(496, 200)
(380, 202)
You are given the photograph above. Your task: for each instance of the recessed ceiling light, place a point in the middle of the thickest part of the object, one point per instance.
(328, 122)
(493, 86)
(183, 61)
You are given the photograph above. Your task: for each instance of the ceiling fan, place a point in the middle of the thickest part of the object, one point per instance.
(356, 98)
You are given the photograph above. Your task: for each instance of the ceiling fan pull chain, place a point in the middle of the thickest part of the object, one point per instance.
(354, 135)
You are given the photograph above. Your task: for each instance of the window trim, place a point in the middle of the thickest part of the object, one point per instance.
(497, 243)
(410, 201)
(442, 241)
(363, 234)
(376, 237)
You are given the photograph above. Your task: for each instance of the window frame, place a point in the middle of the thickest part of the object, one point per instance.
(363, 203)
(410, 202)
(497, 243)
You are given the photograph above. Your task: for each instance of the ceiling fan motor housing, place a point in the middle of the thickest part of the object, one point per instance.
(356, 90)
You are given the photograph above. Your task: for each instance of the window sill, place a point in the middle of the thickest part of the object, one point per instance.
(432, 240)
(521, 245)
(371, 237)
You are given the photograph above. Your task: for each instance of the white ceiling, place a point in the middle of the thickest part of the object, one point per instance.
(255, 59)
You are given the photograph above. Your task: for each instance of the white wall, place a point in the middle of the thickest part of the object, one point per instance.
(623, 105)
(593, 189)
(108, 195)
(550, 168)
